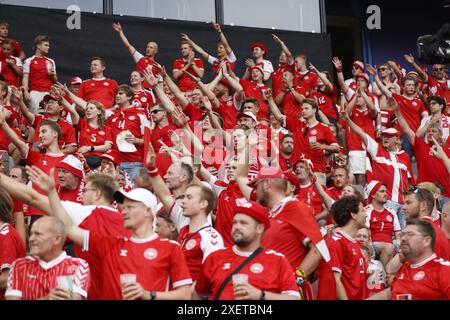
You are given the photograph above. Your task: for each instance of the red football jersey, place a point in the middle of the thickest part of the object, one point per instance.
(11, 78)
(382, 224)
(347, 259)
(91, 137)
(442, 245)
(277, 77)
(141, 65)
(255, 90)
(12, 247)
(268, 271)
(71, 195)
(144, 100)
(68, 137)
(158, 263)
(226, 196)
(215, 62)
(44, 161)
(133, 120)
(363, 119)
(103, 90)
(197, 246)
(302, 137)
(426, 280)
(291, 107)
(438, 87)
(12, 121)
(184, 82)
(37, 68)
(327, 102)
(306, 79)
(411, 110)
(17, 49)
(32, 278)
(228, 112)
(161, 134)
(429, 167)
(312, 199)
(101, 220)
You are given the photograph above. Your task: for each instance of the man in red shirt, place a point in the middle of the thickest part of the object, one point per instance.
(17, 49)
(39, 72)
(49, 132)
(269, 276)
(98, 88)
(341, 179)
(255, 88)
(12, 246)
(259, 50)
(127, 125)
(430, 168)
(286, 158)
(311, 137)
(36, 277)
(70, 179)
(142, 63)
(304, 78)
(424, 275)
(11, 68)
(291, 96)
(286, 61)
(347, 260)
(381, 220)
(187, 63)
(96, 214)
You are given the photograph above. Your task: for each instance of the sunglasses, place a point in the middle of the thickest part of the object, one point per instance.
(382, 69)
(438, 69)
(156, 111)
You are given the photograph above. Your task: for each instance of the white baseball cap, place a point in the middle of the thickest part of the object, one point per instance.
(139, 195)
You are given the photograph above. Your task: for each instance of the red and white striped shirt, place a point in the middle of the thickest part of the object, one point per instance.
(31, 278)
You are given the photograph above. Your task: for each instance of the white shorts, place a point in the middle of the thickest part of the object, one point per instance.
(357, 162)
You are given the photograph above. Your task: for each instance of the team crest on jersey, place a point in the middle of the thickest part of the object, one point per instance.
(419, 276)
(131, 118)
(256, 268)
(313, 132)
(44, 163)
(230, 103)
(414, 104)
(150, 254)
(226, 266)
(191, 244)
(106, 84)
(92, 84)
(389, 219)
(144, 99)
(102, 133)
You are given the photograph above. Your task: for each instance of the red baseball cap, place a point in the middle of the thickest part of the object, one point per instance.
(254, 210)
(73, 165)
(111, 155)
(359, 64)
(260, 45)
(268, 173)
(75, 80)
(259, 68)
(390, 132)
(48, 97)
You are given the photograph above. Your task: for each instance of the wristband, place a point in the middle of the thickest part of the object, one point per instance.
(300, 277)
(152, 171)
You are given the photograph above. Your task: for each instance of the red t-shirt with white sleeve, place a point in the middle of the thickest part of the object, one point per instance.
(426, 280)
(68, 136)
(12, 247)
(37, 69)
(184, 82)
(32, 278)
(197, 246)
(11, 78)
(268, 271)
(215, 62)
(158, 263)
(103, 90)
(141, 65)
(348, 260)
(382, 224)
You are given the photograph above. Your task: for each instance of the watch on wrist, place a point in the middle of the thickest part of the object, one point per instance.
(263, 295)
(92, 149)
(152, 295)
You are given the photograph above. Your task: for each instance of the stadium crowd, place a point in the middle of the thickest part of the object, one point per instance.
(272, 184)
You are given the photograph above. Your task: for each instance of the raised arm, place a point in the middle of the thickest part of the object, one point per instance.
(47, 184)
(384, 90)
(322, 77)
(165, 101)
(119, 29)
(60, 92)
(284, 48)
(205, 90)
(18, 101)
(242, 171)
(159, 186)
(338, 65)
(222, 38)
(422, 74)
(179, 95)
(439, 153)
(401, 120)
(273, 106)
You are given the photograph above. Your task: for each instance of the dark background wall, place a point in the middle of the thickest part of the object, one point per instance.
(401, 23)
(72, 49)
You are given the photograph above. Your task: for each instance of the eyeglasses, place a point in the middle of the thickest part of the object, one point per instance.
(438, 69)
(382, 69)
(156, 111)
(409, 234)
(86, 189)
